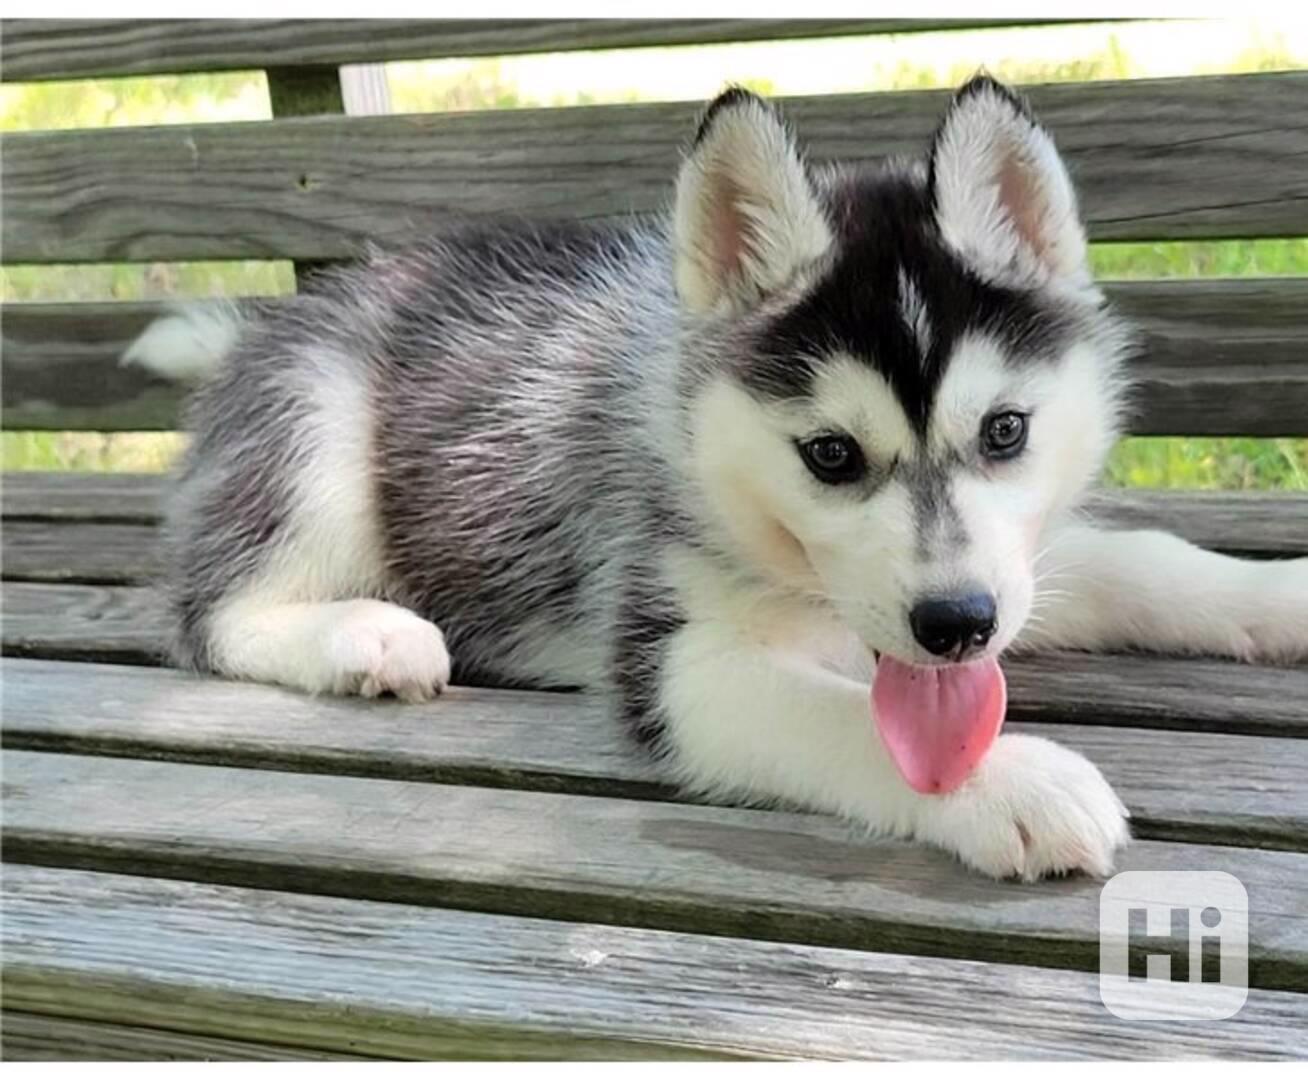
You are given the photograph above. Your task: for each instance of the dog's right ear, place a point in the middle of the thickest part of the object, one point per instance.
(747, 219)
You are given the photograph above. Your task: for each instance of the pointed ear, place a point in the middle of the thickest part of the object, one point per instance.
(747, 219)
(1002, 196)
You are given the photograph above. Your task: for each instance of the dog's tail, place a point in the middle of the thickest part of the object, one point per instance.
(190, 343)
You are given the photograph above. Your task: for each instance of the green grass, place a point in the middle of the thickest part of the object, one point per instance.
(1210, 464)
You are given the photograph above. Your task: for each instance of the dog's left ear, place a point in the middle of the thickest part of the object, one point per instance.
(747, 219)
(1002, 196)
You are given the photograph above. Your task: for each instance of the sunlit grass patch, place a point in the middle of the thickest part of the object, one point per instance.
(1232, 464)
(145, 281)
(1203, 259)
(91, 451)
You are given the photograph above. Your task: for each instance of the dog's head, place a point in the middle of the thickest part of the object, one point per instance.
(896, 377)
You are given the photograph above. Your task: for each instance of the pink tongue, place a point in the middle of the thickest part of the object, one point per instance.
(938, 722)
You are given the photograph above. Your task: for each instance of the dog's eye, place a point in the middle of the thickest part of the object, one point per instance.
(833, 459)
(1003, 435)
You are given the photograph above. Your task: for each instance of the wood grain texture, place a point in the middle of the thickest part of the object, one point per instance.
(94, 552)
(703, 869)
(118, 624)
(62, 371)
(1154, 159)
(1219, 357)
(54, 547)
(1240, 522)
(126, 625)
(322, 972)
(1252, 523)
(33, 1037)
(34, 49)
(126, 498)
(1211, 788)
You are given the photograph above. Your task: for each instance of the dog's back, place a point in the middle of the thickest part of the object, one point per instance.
(454, 428)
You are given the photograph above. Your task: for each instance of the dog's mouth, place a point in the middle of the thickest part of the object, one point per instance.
(937, 722)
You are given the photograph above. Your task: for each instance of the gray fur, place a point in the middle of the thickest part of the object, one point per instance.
(527, 389)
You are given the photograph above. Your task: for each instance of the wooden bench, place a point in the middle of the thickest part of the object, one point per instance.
(199, 869)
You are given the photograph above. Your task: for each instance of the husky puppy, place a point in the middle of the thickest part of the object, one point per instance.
(781, 473)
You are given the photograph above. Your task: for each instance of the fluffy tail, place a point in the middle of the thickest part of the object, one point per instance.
(190, 343)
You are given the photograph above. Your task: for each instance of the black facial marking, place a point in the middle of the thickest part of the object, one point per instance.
(886, 231)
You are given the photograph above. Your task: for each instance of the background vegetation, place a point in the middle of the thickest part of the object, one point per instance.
(886, 63)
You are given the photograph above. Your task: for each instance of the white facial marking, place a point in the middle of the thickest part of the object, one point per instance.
(851, 396)
(913, 312)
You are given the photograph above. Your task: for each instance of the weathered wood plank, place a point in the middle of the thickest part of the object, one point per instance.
(33, 1037)
(1154, 159)
(706, 869)
(124, 625)
(94, 553)
(1213, 788)
(1220, 357)
(118, 624)
(50, 548)
(34, 49)
(1238, 522)
(322, 972)
(127, 498)
(1241, 522)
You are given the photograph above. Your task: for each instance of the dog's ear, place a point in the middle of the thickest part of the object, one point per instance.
(1002, 196)
(747, 218)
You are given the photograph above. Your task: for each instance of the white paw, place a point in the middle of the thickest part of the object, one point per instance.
(1033, 808)
(376, 647)
(1274, 618)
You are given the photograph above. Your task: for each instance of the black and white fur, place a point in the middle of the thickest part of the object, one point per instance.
(565, 455)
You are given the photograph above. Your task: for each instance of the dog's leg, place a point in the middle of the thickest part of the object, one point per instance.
(366, 647)
(1106, 589)
(741, 719)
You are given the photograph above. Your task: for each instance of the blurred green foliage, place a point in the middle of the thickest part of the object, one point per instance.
(492, 84)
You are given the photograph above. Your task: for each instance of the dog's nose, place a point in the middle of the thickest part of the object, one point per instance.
(954, 624)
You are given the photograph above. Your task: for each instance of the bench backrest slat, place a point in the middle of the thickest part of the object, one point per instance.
(1220, 358)
(35, 49)
(1168, 159)
(1155, 160)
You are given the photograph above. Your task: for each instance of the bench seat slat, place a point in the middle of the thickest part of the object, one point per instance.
(1154, 160)
(1220, 357)
(1249, 522)
(321, 972)
(703, 869)
(100, 552)
(83, 527)
(33, 1036)
(125, 625)
(1223, 788)
(34, 49)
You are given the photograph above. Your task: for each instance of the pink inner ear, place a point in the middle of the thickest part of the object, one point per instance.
(1021, 196)
(727, 227)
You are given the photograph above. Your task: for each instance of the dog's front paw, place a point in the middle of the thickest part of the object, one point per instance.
(1032, 808)
(380, 648)
(1274, 619)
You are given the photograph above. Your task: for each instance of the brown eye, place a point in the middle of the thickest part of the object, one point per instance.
(833, 459)
(1003, 435)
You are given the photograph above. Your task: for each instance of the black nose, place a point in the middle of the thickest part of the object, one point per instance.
(954, 624)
